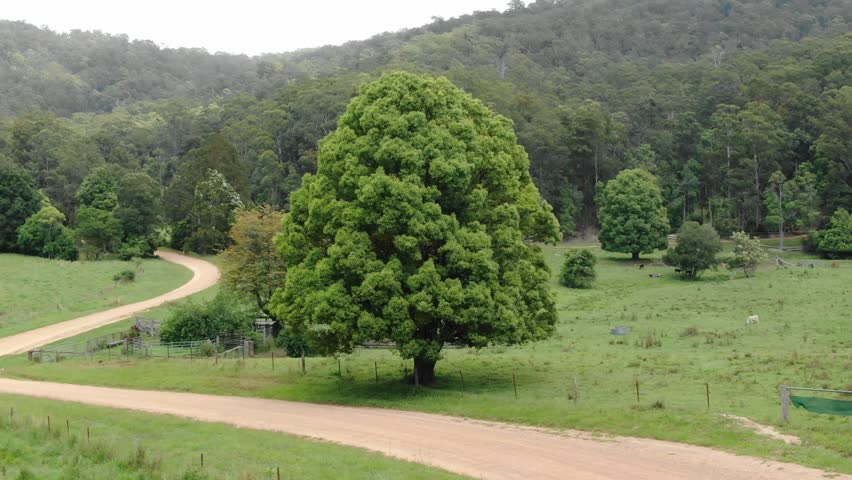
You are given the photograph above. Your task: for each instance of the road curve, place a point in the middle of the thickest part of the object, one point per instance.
(204, 276)
(475, 448)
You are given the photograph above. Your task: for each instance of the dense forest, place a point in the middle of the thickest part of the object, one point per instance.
(725, 101)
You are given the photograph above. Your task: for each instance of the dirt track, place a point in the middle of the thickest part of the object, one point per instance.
(205, 275)
(475, 448)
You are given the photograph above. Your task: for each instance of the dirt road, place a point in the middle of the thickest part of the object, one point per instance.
(475, 448)
(205, 275)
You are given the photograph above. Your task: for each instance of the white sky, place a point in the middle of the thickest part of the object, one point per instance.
(242, 26)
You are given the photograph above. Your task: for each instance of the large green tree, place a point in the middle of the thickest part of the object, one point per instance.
(18, 200)
(44, 234)
(632, 215)
(419, 228)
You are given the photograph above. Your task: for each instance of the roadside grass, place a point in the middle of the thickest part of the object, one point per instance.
(685, 335)
(131, 445)
(35, 292)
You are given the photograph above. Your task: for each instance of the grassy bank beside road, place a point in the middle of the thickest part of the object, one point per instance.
(35, 292)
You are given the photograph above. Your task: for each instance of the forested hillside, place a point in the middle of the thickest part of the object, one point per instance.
(712, 96)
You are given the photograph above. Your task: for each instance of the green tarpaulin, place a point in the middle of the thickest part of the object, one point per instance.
(823, 405)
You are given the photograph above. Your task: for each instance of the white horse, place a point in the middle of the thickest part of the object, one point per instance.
(752, 319)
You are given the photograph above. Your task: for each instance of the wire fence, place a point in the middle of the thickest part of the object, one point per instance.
(119, 345)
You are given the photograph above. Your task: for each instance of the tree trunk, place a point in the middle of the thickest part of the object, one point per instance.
(635, 255)
(424, 371)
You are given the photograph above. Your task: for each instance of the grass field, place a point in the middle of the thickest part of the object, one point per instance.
(686, 336)
(35, 292)
(129, 445)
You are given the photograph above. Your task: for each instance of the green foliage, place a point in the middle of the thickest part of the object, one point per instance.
(747, 254)
(18, 200)
(696, 249)
(98, 190)
(212, 215)
(633, 218)
(836, 241)
(44, 234)
(224, 315)
(414, 229)
(578, 271)
(142, 246)
(251, 265)
(125, 276)
(98, 229)
(138, 204)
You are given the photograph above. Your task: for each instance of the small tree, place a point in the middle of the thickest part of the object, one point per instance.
(98, 229)
(251, 265)
(44, 234)
(633, 218)
(212, 213)
(578, 271)
(696, 249)
(747, 254)
(836, 241)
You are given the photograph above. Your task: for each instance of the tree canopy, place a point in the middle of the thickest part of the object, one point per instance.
(696, 249)
(417, 229)
(18, 200)
(632, 215)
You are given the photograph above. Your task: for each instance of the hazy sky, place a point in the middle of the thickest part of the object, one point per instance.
(243, 26)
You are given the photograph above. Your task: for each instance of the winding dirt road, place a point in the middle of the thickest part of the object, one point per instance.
(205, 275)
(476, 448)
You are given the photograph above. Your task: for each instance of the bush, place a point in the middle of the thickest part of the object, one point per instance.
(747, 254)
(44, 234)
(124, 277)
(836, 241)
(578, 271)
(294, 344)
(141, 246)
(223, 315)
(810, 244)
(696, 249)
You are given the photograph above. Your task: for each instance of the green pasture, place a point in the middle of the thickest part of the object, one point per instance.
(686, 337)
(102, 443)
(35, 292)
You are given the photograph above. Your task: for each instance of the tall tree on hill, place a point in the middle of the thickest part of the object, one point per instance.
(632, 214)
(18, 200)
(418, 228)
(216, 153)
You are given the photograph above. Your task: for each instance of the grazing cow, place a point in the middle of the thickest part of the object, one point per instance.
(641, 266)
(677, 270)
(752, 319)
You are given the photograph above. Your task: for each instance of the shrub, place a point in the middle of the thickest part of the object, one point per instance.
(223, 315)
(747, 254)
(141, 246)
(810, 243)
(294, 344)
(578, 271)
(696, 249)
(836, 241)
(125, 276)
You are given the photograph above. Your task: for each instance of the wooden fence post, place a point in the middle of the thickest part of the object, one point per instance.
(48, 423)
(303, 361)
(785, 403)
(515, 385)
(376, 366)
(272, 354)
(707, 388)
(574, 385)
(637, 390)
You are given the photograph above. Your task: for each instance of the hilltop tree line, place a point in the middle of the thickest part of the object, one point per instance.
(714, 98)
